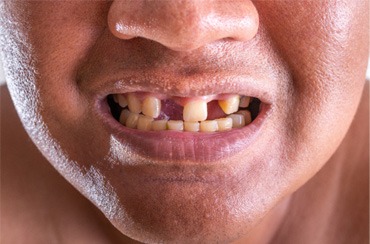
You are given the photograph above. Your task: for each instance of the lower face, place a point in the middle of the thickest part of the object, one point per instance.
(156, 138)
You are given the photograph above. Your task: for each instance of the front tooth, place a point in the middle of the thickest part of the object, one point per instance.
(122, 101)
(159, 125)
(224, 124)
(230, 105)
(177, 125)
(244, 101)
(247, 116)
(195, 111)
(123, 116)
(144, 122)
(134, 103)
(151, 107)
(131, 121)
(208, 126)
(191, 126)
(238, 120)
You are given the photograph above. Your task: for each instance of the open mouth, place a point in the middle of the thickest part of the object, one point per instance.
(158, 112)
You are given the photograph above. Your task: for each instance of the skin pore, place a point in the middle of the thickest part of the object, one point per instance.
(303, 179)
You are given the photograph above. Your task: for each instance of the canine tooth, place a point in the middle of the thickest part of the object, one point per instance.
(244, 101)
(134, 103)
(208, 126)
(238, 120)
(195, 111)
(144, 122)
(247, 116)
(191, 126)
(158, 125)
(131, 121)
(224, 124)
(122, 101)
(123, 116)
(175, 125)
(151, 107)
(230, 105)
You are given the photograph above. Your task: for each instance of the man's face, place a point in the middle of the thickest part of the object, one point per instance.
(303, 62)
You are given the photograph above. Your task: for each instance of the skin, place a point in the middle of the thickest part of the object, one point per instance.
(304, 180)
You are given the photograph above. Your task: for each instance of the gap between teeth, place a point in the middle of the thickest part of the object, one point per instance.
(141, 115)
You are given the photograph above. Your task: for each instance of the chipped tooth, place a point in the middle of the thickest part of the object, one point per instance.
(151, 107)
(195, 111)
(244, 101)
(132, 119)
(122, 101)
(230, 105)
(238, 120)
(191, 126)
(224, 124)
(144, 122)
(123, 116)
(177, 125)
(247, 116)
(208, 126)
(134, 103)
(159, 125)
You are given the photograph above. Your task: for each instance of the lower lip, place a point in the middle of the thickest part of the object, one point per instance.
(184, 147)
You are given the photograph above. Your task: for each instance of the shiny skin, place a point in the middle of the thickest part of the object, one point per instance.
(311, 54)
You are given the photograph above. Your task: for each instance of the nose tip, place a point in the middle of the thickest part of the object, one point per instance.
(184, 25)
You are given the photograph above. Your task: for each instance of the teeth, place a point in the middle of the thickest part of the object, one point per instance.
(159, 125)
(134, 103)
(115, 98)
(244, 101)
(131, 121)
(247, 116)
(122, 101)
(177, 125)
(144, 123)
(224, 124)
(195, 111)
(151, 107)
(191, 126)
(124, 115)
(230, 105)
(238, 120)
(208, 126)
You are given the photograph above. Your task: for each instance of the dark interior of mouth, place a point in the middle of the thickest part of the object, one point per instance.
(172, 111)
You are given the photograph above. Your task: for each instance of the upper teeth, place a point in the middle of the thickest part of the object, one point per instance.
(195, 114)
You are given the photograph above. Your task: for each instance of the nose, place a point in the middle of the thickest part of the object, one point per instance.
(184, 25)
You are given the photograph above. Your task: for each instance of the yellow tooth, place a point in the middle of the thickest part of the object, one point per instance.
(230, 105)
(134, 103)
(115, 98)
(159, 125)
(244, 101)
(144, 122)
(151, 107)
(191, 126)
(208, 126)
(238, 120)
(131, 121)
(122, 101)
(175, 125)
(124, 115)
(195, 111)
(224, 124)
(247, 116)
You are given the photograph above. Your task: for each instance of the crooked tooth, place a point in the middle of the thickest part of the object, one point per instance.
(208, 126)
(195, 111)
(159, 125)
(224, 124)
(191, 126)
(247, 116)
(132, 119)
(151, 107)
(122, 101)
(244, 101)
(144, 122)
(123, 116)
(134, 103)
(230, 105)
(238, 120)
(177, 125)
